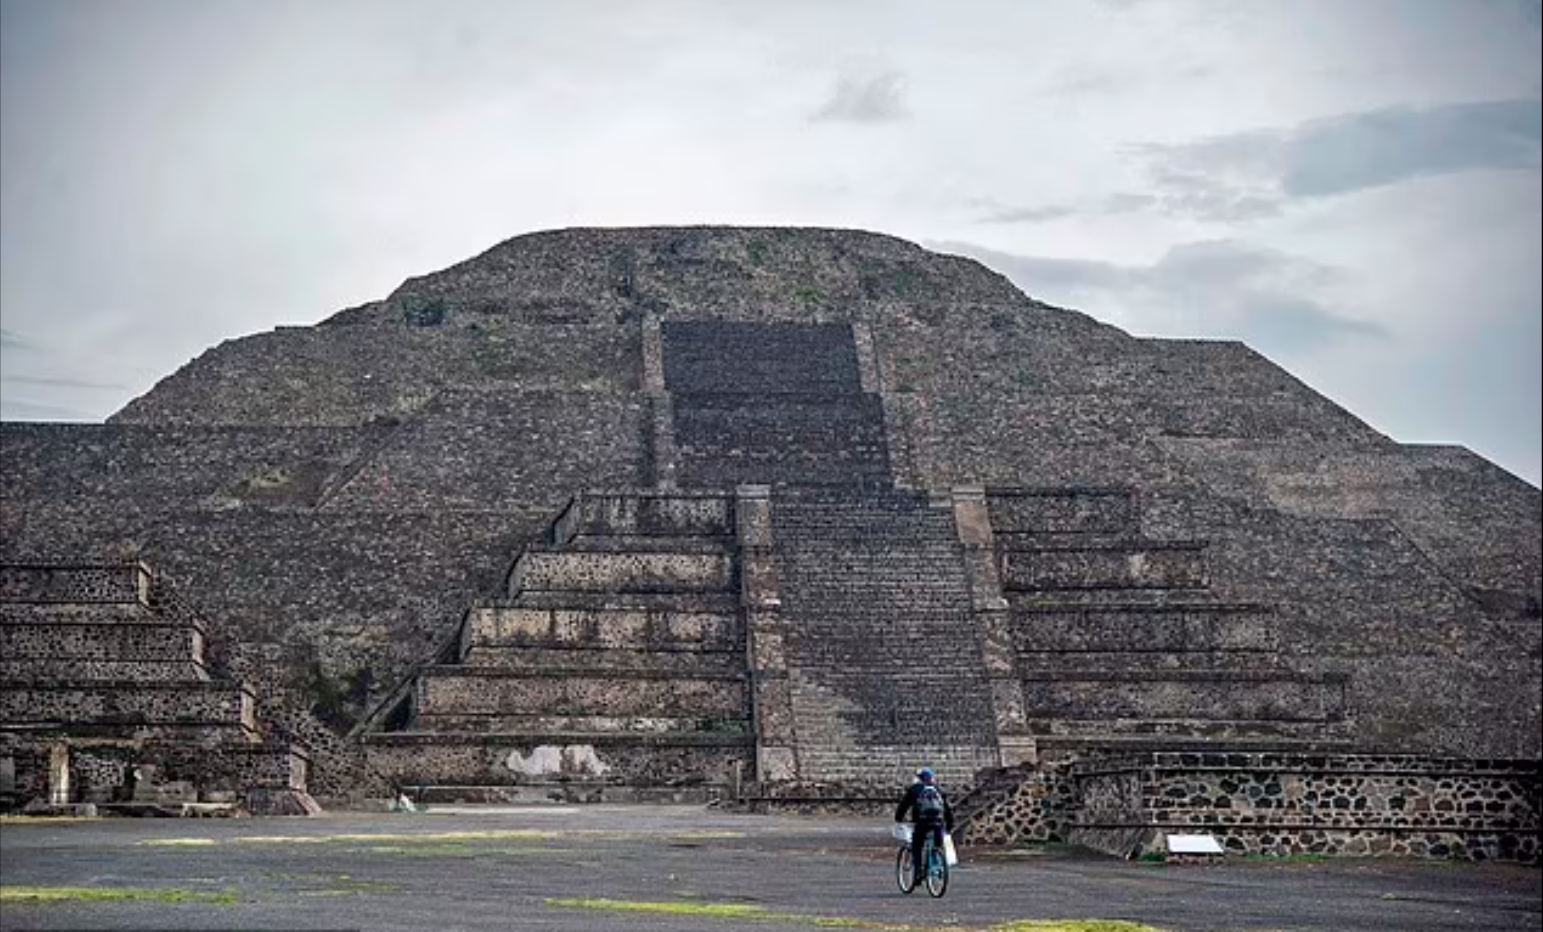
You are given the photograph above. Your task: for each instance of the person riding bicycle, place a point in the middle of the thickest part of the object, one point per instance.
(925, 800)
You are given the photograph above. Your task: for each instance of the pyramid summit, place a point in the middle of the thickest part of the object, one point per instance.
(770, 513)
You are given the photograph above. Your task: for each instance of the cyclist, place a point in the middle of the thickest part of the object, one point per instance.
(924, 800)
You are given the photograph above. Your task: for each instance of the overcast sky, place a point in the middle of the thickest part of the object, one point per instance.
(1350, 186)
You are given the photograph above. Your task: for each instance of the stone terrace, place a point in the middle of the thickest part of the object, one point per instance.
(108, 700)
(612, 669)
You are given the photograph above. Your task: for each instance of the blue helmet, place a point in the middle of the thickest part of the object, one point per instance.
(924, 774)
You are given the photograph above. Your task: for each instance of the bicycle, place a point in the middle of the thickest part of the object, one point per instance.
(936, 878)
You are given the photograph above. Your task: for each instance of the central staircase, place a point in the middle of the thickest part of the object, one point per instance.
(885, 670)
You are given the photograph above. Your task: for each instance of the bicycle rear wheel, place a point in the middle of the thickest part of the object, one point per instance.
(903, 876)
(937, 871)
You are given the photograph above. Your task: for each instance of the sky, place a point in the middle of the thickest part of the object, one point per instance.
(1352, 187)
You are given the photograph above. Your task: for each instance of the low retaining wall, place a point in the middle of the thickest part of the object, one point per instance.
(1276, 804)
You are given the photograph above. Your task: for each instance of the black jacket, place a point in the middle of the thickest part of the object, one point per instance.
(908, 805)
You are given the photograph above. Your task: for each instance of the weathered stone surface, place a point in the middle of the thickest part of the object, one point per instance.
(338, 498)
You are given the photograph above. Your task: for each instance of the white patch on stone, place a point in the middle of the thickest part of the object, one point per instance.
(550, 759)
(581, 758)
(543, 760)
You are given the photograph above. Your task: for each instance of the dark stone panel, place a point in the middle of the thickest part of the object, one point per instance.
(751, 358)
(726, 440)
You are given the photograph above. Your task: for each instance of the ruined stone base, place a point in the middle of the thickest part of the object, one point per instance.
(39, 807)
(280, 802)
(565, 793)
(1355, 805)
(172, 810)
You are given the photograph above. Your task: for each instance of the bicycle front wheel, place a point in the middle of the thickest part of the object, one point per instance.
(903, 876)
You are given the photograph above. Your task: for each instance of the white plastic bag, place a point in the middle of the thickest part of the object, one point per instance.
(901, 833)
(950, 856)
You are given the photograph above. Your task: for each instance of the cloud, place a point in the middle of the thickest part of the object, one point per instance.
(1043, 214)
(876, 99)
(1387, 146)
(20, 409)
(1249, 175)
(1276, 302)
(10, 340)
(63, 382)
(1114, 204)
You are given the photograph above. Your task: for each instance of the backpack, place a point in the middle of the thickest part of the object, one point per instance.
(929, 803)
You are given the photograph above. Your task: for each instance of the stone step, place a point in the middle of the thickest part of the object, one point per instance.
(646, 514)
(128, 702)
(536, 724)
(492, 691)
(684, 662)
(1126, 599)
(896, 764)
(113, 615)
(1173, 733)
(895, 657)
(122, 583)
(1185, 695)
(534, 740)
(629, 544)
(19, 670)
(1047, 665)
(860, 528)
(621, 572)
(108, 729)
(883, 653)
(94, 640)
(498, 628)
(1129, 564)
(719, 602)
(1134, 627)
(1221, 741)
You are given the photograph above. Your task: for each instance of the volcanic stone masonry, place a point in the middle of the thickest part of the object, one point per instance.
(775, 515)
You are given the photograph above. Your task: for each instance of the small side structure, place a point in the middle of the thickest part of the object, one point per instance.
(109, 700)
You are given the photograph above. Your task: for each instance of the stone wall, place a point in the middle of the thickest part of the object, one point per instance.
(105, 772)
(1025, 804)
(1461, 511)
(133, 702)
(341, 375)
(512, 693)
(503, 450)
(1279, 804)
(421, 761)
